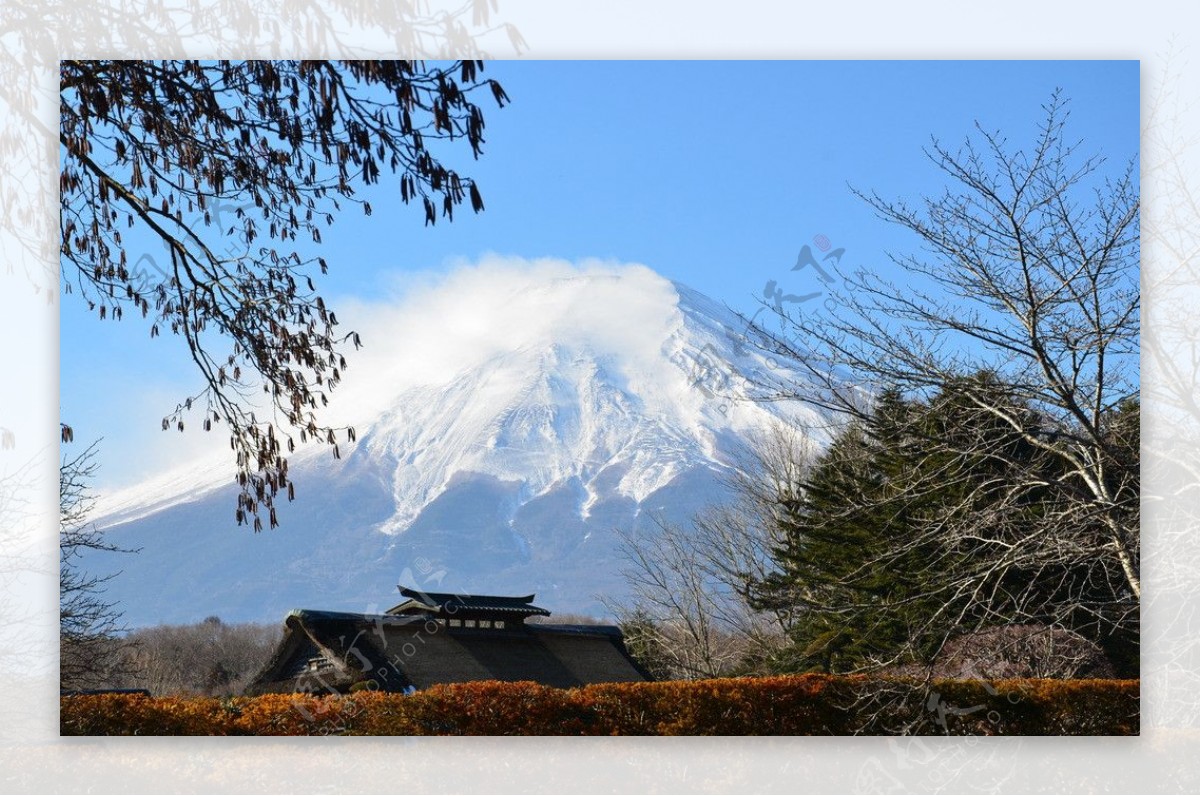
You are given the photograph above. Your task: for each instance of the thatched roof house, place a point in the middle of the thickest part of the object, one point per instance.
(433, 638)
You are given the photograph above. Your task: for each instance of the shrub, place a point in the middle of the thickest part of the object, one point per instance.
(812, 704)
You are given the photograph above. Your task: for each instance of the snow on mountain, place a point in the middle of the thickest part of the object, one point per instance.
(510, 419)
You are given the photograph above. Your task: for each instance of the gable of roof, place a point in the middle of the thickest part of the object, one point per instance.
(326, 651)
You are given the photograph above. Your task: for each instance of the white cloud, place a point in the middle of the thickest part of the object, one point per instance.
(440, 325)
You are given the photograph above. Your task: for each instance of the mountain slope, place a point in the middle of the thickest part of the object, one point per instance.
(589, 400)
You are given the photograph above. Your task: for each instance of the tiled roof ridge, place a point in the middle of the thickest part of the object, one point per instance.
(488, 602)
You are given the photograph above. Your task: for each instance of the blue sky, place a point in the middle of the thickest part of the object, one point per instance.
(714, 174)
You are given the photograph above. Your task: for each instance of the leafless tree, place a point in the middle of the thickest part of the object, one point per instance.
(681, 611)
(691, 586)
(18, 482)
(211, 657)
(90, 627)
(739, 538)
(1029, 272)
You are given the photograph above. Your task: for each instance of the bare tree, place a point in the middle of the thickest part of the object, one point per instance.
(693, 587)
(211, 657)
(1029, 273)
(91, 650)
(739, 539)
(17, 484)
(670, 590)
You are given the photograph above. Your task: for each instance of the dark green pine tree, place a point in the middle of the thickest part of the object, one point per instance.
(855, 593)
(866, 563)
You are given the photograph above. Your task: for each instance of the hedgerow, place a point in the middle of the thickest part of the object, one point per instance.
(792, 705)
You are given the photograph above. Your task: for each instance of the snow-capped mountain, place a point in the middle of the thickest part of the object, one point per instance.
(498, 451)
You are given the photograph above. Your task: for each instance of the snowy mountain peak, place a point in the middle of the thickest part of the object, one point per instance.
(509, 420)
(562, 407)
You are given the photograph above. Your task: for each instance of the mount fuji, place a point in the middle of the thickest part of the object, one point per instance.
(510, 420)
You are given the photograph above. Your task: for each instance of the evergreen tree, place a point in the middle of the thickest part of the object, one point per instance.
(914, 526)
(839, 565)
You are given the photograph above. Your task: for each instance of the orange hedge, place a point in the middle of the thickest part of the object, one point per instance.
(792, 705)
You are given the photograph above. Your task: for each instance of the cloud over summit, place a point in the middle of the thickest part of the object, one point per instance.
(442, 325)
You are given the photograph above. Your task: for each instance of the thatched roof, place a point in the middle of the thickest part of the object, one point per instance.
(331, 651)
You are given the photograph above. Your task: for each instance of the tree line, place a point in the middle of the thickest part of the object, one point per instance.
(208, 658)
